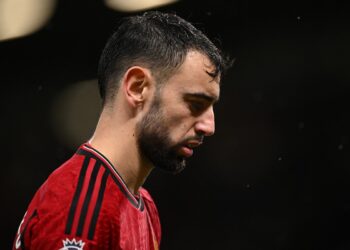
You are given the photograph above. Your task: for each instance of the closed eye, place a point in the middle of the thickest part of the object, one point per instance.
(198, 102)
(196, 107)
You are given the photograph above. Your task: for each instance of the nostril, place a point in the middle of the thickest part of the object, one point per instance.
(200, 134)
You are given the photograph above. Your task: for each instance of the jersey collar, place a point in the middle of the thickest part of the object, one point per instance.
(136, 200)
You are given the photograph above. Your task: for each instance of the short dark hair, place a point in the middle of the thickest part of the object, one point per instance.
(157, 40)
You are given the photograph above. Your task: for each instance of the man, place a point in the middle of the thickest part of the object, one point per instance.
(159, 79)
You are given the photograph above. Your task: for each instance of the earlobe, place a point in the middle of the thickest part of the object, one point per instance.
(136, 84)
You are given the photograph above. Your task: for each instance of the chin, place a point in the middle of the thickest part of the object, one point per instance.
(173, 167)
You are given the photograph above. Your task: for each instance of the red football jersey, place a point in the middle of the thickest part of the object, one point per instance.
(85, 204)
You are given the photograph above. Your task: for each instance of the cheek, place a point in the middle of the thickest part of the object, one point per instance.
(179, 127)
(178, 120)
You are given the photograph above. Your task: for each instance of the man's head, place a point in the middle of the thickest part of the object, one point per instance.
(185, 68)
(158, 41)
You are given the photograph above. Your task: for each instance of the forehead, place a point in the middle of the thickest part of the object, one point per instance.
(192, 76)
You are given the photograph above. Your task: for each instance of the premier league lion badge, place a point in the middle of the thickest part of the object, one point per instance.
(72, 244)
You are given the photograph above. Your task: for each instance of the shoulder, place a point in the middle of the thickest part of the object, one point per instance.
(146, 195)
(149, 203)
(66, 172)
(46, 216)
(148, 200)
(60, 185)
(152, 210)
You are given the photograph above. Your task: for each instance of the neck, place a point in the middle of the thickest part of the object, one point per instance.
(119, 145)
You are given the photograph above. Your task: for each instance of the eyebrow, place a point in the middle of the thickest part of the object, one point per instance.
(200, 95)
(213, 74)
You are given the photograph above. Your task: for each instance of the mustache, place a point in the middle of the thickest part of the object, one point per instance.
(197, 138)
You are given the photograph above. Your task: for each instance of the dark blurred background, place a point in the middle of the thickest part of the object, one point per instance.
(275, 175)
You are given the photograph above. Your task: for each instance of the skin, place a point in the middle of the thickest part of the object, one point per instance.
(187, 100)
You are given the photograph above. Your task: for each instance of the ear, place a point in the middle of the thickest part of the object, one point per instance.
(137, 84)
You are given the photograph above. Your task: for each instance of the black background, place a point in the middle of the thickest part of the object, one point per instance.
(275, 175)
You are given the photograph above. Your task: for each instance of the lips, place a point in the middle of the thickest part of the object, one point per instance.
(186, 149)
(193, 143)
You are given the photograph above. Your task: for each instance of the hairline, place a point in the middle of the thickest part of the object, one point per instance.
(161, 74)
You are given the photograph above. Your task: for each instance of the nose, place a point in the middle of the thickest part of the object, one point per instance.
(206, 123)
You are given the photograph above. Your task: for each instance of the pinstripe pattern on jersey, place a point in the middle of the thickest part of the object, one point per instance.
(76, 196)
(87, 199)
(98, 206)
(93, 153)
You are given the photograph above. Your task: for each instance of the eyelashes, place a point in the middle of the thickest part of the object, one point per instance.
(197, 107)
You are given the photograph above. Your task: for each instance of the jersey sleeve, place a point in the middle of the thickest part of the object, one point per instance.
(46, 230)
(66, 215)
(35, 236)
(153, 214)
(84, 206)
